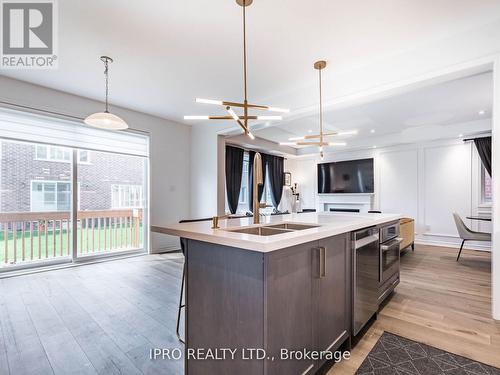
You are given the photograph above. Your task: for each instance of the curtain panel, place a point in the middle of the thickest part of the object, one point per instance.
(483, 146)
(275, 165)
(234, 171)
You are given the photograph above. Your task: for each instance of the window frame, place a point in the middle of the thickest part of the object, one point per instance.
(55, 182)
(79, 160)
(484, 200)
(121, 206)
(243, 198)
(267, 194)
(48, 157)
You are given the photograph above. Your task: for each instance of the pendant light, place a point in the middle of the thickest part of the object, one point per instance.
(242, 120)
(106, 120)
(321, 137)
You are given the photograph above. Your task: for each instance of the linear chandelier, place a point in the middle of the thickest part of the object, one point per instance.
(321, 142)
(242, 120)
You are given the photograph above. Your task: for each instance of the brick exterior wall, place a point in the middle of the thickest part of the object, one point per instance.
(19, 167)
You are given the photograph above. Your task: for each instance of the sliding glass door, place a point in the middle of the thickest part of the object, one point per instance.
(111, 204)
(35, 203)
(69, 192)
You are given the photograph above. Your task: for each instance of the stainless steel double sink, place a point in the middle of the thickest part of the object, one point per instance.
(273, 229)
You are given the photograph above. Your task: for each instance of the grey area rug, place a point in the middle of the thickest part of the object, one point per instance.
(396, 355)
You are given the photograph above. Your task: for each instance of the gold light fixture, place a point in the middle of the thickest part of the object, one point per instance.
(242, 120)
(106, 120)
(321, 142)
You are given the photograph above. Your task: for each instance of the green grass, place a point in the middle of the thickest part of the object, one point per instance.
(43, 246)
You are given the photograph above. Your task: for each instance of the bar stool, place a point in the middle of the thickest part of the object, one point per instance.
(182, 303)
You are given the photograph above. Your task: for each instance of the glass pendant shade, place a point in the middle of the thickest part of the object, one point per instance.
(106, 120)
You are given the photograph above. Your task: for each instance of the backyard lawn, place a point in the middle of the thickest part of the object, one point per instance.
(50, 245)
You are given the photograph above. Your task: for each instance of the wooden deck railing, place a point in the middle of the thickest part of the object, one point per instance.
(27, 236)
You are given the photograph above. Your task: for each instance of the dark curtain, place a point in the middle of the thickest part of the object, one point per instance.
(483, 146)
(251, 156)
(275, 165)
(234, 171)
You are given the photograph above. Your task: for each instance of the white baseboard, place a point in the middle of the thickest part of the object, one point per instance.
(453, 244)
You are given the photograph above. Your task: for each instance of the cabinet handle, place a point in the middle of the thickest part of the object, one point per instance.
(322, 262)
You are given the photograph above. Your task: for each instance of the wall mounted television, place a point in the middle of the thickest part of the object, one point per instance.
(346, 177)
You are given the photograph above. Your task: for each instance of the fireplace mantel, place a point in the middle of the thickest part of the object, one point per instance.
(361, 202)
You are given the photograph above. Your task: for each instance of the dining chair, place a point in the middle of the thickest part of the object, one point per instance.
(467, 234)
(182, 303)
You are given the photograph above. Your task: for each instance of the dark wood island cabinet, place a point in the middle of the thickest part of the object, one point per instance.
(291, 299)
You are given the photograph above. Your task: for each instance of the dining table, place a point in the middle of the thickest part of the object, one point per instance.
(480, 218)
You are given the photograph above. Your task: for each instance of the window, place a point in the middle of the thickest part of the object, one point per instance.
(243, 201)
(41, 153)
(40, 183)
(60, 154)
(83, 156)
(126, 196)
(266, 195)
(49, 196)
(52, 153)
(486, 192)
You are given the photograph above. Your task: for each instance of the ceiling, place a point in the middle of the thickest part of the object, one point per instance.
(438, 111)
(167, 53)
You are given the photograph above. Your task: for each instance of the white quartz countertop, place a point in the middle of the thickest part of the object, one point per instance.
(329, 224)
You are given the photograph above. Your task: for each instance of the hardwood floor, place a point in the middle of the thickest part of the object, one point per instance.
(95, 319)
(104, 318)
(439, 302)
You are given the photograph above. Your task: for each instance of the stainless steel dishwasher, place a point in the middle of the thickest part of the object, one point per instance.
(366, 267)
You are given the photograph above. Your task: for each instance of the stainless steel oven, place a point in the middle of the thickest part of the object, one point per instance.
(389, 258)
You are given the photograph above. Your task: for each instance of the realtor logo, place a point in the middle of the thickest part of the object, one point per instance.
(29, 31)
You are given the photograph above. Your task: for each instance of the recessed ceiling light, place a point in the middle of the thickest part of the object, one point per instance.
(482, 112)
(460, 135)
(372, 131)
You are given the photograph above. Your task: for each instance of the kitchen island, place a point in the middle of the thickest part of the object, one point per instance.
(283, 287)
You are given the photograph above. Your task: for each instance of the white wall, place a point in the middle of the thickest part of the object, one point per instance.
(446, 188)
(496, 192)
(398, 181)
(207, 172)
(203, 172)
(169, 152)
(426, 181)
